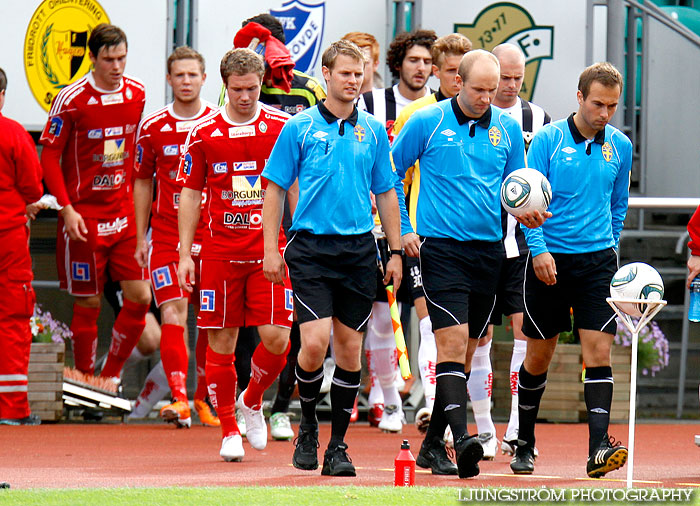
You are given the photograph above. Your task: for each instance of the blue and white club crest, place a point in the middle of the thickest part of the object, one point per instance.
(303, 28)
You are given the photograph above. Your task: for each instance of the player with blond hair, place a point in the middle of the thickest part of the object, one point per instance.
(226, 152)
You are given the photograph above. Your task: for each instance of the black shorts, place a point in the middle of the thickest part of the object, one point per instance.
(411, 282)
(332, 275)
(509, 294)
(583, 284)
(459, 280)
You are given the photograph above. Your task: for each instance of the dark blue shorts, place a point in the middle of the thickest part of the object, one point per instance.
(333, 275)
(583, 284)
(509, 294)
(459, 280)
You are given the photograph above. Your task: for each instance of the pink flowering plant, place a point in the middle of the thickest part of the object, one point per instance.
(45, 329)
(652, 351)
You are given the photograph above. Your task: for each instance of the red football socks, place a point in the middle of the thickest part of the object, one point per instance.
(201, 362)
(173, 353)
(84, 340)
(126, 333)
(264, 367)
(221, 383)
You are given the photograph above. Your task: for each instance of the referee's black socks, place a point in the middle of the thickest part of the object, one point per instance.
(530, 390)
(343, 393)
(598, 392)
(451, 396)
(309, 389)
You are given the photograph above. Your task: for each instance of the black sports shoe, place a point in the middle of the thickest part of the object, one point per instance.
(433, 456)
(469, 452)
(27, 420)
(306, 451)
(610, 455)
(336, 461)
(523, 461)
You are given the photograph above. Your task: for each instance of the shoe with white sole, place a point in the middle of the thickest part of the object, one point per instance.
(510, 444)
(490, 444)
(232, 448)
(392, 419)
(280, 428)
(178, 413)
(240, 421)
(256, 428)
(423, 419)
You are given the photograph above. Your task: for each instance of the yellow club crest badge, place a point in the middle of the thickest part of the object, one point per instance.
(494, 136)
(55, 45)
(606, 149)
(359, 133)
(509, 22)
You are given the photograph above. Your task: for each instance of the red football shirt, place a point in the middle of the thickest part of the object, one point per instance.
(160, 142)
(95, 130)
(229, 157)
(20, 174)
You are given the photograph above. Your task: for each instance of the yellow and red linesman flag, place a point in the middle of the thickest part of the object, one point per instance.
(404, 366)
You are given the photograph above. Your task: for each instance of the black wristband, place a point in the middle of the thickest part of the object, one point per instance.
(396, 252)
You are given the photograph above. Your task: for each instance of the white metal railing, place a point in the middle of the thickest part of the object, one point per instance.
(663, 203)
(673, 203)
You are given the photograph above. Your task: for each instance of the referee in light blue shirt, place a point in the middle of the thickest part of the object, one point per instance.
(573, 258)
(339, 155)
(466, 147)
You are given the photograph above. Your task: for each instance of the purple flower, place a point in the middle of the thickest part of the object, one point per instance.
(53, 330)
(653, 349)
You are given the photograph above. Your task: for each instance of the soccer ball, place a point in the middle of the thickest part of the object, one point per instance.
(525, 190)
(636, 281)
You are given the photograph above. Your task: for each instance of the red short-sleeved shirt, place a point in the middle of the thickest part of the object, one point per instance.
(95, 129)
(228, 158)
(159, 144)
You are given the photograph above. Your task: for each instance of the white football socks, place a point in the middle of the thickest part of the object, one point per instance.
(135, 358)
(155, 388)
(480, 386)
(380, 340)
(519, 349)
(427, 357)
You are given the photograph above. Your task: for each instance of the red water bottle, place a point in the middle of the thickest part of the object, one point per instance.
(404, 467)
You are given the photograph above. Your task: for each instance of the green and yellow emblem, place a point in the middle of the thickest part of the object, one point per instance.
(55, 46)
(494, 136)
(606, 149)
(505, 22)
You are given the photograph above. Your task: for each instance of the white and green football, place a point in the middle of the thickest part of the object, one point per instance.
(637, 281)
(525, 190)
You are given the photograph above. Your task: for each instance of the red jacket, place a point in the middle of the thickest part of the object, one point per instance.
(694, 231)
(20, 173)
